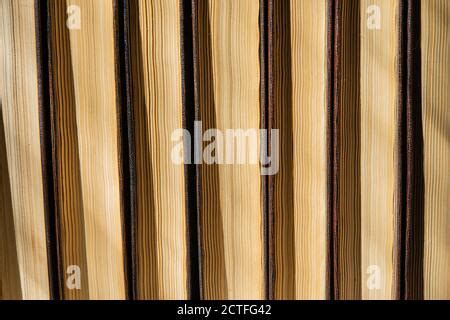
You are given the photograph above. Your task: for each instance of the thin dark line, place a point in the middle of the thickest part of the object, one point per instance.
(197, 117)
(263, 50)
(401, 155)
(189, 115)
(335, 149)
(330, 147)
(126, 143)
(46, 139)
(269, 88)
(414, 191)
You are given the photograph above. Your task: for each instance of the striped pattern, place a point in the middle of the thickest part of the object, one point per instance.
(349, 152)
(20, 114)
(358, 209)
(435, 17)
(68, 190)
(299, 75)
(231, 210)
(161, 237)
(87, 154)
(379, 89)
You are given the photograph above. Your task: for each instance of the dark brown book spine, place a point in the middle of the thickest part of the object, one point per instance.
(197, 117)
(265, 123)
(47, 148)
(127, 156)
(190, 170)
(413, 147)
(410, 183)
(268, 12)
(344, 151)
(332, 96)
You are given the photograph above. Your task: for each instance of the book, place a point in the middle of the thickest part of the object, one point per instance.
(87, 168)
(215, 149)
(435, 80)
(25, 272)
(346, 268)
(299, 79)
(379, 85)
(161, 237)
(227, 70)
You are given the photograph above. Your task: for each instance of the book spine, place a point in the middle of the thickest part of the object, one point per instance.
(47, 147)
(333, 66)
(269, 122)
(414, 189)
(265, 25)
(196, 107)
(126, 142)
(190, 170)
(410, 184)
